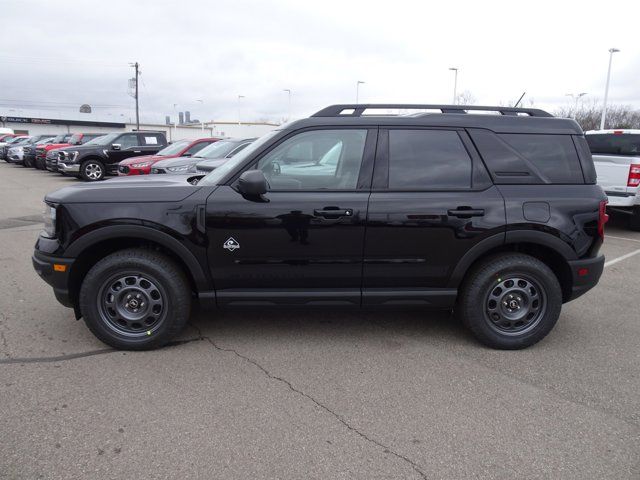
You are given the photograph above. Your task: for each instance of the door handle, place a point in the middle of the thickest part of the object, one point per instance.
(466, 212)
(333, 212)
(137, 151)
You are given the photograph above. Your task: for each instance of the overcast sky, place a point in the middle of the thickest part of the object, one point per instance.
(56, 55)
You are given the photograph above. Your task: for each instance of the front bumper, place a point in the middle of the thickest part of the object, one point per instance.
(54, 271)
(15, 157)
(126, 170)
(585, 275)
(68, 167)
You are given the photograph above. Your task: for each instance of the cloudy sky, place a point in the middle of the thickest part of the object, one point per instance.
(55, 56)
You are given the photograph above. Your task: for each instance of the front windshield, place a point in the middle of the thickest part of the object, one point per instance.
(174, 148)
(104, 140)
(218, 149)
(219, 173)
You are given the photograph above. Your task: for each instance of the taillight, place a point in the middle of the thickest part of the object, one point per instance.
(634, 175)
(602, 218)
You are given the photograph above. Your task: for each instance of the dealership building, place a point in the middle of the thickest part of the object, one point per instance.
(35, 123)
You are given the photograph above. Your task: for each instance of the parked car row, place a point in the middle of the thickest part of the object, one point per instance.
(92, 156)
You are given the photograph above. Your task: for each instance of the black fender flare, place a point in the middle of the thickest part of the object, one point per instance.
(201, 279)
(516, 236)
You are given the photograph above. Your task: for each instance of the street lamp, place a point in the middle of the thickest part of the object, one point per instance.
(606, 88)
(201, 102)
(240, 97)
(455, 83)
(576, 97)
(289, 104)
(175, 123)
(358, 83)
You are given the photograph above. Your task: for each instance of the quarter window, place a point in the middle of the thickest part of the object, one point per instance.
(428, 160)
(316, 160)
(554, 156)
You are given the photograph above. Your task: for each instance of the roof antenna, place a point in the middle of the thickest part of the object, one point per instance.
(520, 99)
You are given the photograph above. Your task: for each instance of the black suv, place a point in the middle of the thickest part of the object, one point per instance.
(497, 217)
(100, 156)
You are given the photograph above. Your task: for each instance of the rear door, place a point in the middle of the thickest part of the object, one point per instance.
(431, 202)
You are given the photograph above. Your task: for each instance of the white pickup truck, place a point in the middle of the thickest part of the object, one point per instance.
(616, 155)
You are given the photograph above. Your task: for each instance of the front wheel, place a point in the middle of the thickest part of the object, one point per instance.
(135, 299)
(92, 170)
(510, 301)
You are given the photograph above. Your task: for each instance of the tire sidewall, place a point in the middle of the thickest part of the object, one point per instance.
(485, 279)
(172, 290)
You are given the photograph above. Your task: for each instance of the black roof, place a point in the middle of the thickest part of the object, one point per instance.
(504, 119)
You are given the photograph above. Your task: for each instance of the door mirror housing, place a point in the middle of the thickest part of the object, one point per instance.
(252, 183)
(116, 146)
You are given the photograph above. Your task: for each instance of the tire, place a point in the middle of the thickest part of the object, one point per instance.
(27, 163)
(634, 220)
(510, 301)
(135, 299)
(92, 170)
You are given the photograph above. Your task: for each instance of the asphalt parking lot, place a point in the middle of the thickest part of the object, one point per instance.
(313, 394)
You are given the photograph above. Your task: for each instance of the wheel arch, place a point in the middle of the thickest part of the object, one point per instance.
(93, 246)
(545, 247)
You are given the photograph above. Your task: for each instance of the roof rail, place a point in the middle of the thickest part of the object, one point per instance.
(357, 110)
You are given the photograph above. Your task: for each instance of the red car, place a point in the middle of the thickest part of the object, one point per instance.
(180, 148)
(61, 141)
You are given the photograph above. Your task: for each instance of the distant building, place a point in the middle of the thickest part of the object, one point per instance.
(180, 118)
(33, 122)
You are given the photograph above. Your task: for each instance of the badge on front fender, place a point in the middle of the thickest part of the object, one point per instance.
(231, 244)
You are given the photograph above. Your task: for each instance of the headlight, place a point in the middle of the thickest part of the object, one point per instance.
(49, 217)
(183, 168)
(140, 165)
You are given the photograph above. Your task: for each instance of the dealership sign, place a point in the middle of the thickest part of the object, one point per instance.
(51, 121)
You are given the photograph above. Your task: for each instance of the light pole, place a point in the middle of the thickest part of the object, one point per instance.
(201, 121)
(358, 83)
(576, 97)
(455, 83)
(606, 88)
(175, 122)
(240, 97)
(289, 104)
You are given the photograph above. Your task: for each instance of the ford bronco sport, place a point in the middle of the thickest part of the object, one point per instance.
(497, 217)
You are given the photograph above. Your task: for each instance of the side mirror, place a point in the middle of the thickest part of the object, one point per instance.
(252, 183)
(116, 146)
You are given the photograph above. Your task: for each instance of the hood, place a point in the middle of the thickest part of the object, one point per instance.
(145, 158)
(175, 162)
(210, 164)
(151, 188)
(53, 146)
(83, 148)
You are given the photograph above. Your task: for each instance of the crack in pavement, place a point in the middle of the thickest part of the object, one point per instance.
(90, 353)
(350, 427)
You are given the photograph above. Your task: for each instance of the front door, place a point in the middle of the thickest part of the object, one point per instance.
(431, 202)
(303, 242)
(128, 146)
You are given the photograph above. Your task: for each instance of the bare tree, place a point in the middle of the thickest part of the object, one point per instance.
(588, 115)
(465, 98)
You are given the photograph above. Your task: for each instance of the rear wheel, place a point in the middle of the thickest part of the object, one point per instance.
(510, 301)
(92, 170)
(135, 299)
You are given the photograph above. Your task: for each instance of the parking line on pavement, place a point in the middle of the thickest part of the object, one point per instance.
(623, 257)
(623, 238)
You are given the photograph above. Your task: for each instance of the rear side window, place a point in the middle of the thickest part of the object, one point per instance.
(612, 144)
(554, 156)
(428, 160)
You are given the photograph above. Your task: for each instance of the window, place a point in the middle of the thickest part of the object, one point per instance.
(428, 160)
(554, 156)
(128, 140)
(238, 149)
(197, 147)
(316, 160)
(151, 139)
(612, 144)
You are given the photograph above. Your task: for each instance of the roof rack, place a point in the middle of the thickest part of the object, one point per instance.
(357, 110)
